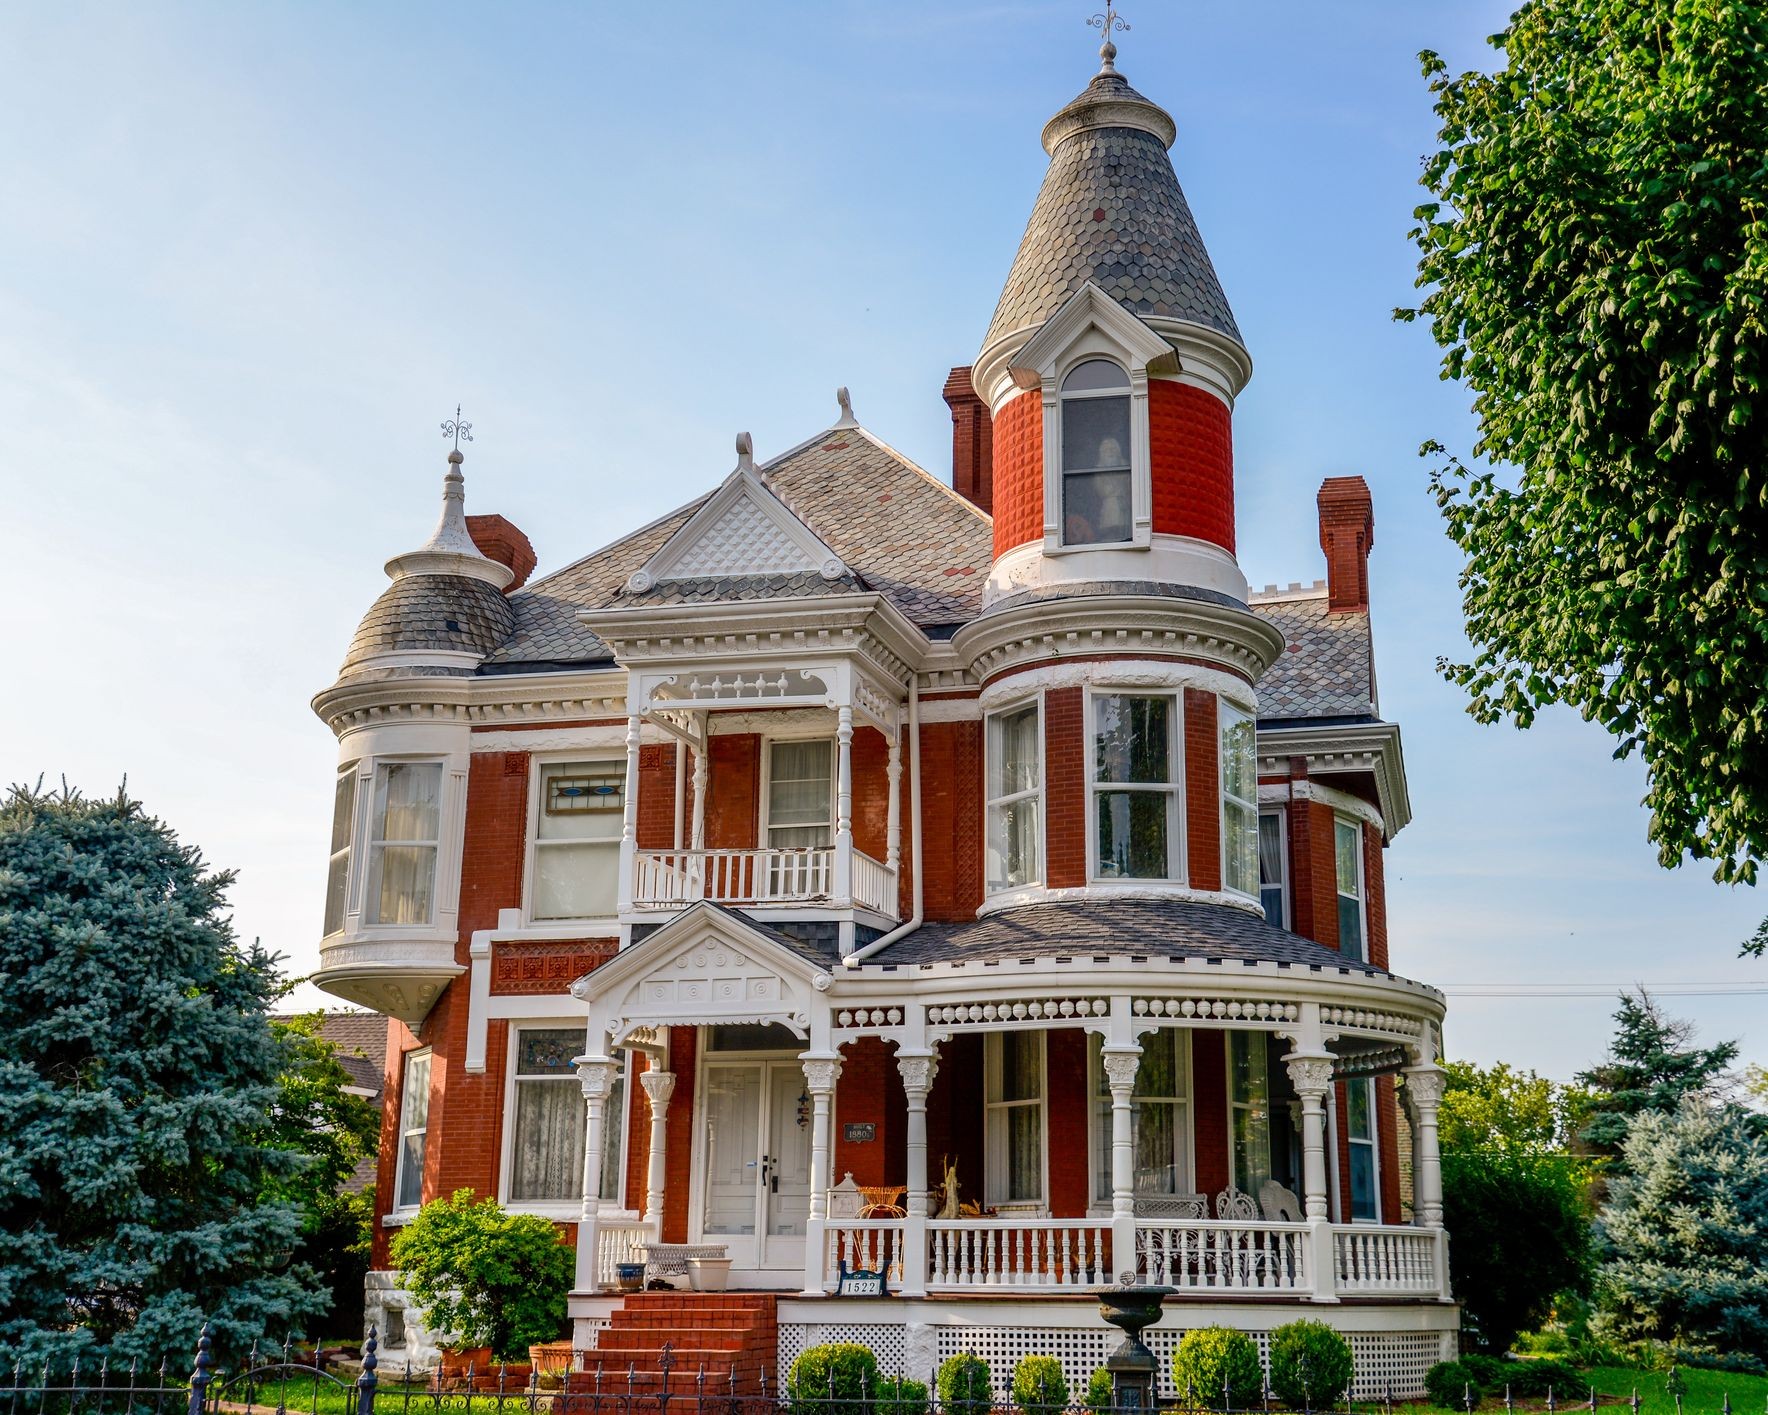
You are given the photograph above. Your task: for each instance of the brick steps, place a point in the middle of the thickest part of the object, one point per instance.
(719, 1343)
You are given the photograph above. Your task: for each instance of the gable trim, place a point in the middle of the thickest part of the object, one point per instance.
(761, 535)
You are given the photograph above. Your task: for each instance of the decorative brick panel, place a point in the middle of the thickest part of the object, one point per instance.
(527, 968)
(1191, 456)
(1065, 788)
(951, 802)
(1019, 472)
(1203, 800)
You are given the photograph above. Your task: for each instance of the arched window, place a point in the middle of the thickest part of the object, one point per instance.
(1096, 454)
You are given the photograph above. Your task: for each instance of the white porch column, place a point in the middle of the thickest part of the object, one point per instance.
(1121, 1062)
(844, 805)
(596, 1074)
(821, 1071)
(1311, 1074)
(893, 825)
(702, 774)
(1424, 1085)
(629, 817)
(918, 1069)
(659, 1087)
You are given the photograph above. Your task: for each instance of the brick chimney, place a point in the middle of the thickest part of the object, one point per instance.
(499, 540)
(1347, 532)
(972, 441)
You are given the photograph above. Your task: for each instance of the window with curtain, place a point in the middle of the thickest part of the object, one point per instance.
(1160, 1110)
(1359, 1099)
(1249, 1105)
(1271, 871)
(577, 827)
(405, 829)
(546, 1142)
(1239, 752)
(414, 1124)
(1095, 405)
(1349, 850)
(337, 880)
(800, 794)
(1015, 779)
(1014, 1126)
(1135, 785)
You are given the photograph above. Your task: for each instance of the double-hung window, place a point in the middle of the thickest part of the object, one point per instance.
(800, 816)
(1249, 1109)
(1240, 844)
(577, 840)
(1272, 892)
(1096, 455)
(1348, 847)
(1015, 780)
(337, 880)
(546, 1142)
(1135, 785)
(406, 829)
(1359, 1099)
(414, 1123)
(1160, 1117)
(1013, 1067)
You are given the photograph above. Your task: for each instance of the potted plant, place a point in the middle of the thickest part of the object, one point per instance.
(493, 1283)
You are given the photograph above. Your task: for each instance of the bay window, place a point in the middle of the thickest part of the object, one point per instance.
(1015, 781)
(1240, 824)
(1096, 499)
(414, 1124)
(1160, 1117)
(1249, 1110)
(1013, 1067)
(1359, 1099)
(548, 1116)
(405, 831)
(1135, 786)
(1348, 848)
(337, 880)
(577, 840)
(1272, 874)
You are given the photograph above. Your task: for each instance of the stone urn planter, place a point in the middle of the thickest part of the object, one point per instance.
(1133, 1367)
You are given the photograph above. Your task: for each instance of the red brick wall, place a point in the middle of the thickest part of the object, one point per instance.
(1065, 1063)
(733, 792)
(972, 440)
(1191, 454)
(1387, 1117)
(1374, 895)
(871, 791)
(1065, 788)
(1343, 1131)
(1019, 472)
(954, 1115)
(951, 802)
(870, 1089)
(1203, 800)
(656, 796)
(1209, 1099)
(1321, 883)
(678, 1152)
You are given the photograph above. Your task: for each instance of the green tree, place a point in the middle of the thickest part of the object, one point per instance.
(1684, 1237)
(1652, 1066)
(315, 1117)
(138, 1194)
(1595, 257)
(1502, 1109)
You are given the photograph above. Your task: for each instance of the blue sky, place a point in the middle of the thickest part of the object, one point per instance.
(251, 255)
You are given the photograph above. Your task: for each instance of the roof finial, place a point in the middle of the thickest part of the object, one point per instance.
(455, 428)
(745, 452)
(1105, 22)
(847, 418)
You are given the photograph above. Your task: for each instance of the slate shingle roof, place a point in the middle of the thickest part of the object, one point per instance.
(711, 589)
(1144, 250)
(432, 612)
(1327, 667)
(1158, 928)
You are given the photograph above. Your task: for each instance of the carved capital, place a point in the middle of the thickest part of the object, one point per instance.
(659, 1087)
(1310, 1075)
(1120, 1070)
(597, 1077)
(821, 1073)
(918, 1073)
(1425, 1086)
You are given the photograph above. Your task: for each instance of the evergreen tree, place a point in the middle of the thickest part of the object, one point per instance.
(1652, 1066)
(1684, 1238)
(138, 1072)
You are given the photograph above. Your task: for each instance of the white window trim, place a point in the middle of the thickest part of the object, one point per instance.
(764, 805)
(536, 776)
(427, 1056)
(1178, 862)
(1039, 794)
(1137, 393)
(1099, 1131)
(1225, 709)
(1373, 1142)
(1362, 880)
(571, 1209)
(994, 1159)
(1282, 818)
(351, 771)
(370, 856)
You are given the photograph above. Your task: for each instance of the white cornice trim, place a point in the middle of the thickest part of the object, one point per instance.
(1341, 802)
(949, 710)
(1113, 891)
(1010, 687)
(1372, 747)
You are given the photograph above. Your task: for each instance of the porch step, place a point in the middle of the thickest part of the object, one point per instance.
(719, 1342)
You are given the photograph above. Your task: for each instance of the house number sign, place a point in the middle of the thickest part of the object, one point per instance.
(859, 1132)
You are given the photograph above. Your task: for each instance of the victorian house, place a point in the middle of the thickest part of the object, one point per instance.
(975, 884)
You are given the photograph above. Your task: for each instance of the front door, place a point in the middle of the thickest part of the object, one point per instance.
(755, 1155)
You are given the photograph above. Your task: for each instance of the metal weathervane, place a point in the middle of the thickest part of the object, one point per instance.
(1108, 20)
(455, 428)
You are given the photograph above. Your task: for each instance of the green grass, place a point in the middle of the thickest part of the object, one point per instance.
(1706, 1390)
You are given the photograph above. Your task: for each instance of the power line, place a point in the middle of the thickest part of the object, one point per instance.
(1532, 990)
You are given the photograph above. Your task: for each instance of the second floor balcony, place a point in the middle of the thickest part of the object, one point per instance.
(827, 875)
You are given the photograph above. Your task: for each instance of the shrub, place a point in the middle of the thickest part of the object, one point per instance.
(898, 1396)
(1214, 1360)
(485, 1277)
(966, 1386)
(1449, 1385)
(1532, 1378)
(1099, 1392)
(1039, 1385)
(1311, 1365)
(837, 1370)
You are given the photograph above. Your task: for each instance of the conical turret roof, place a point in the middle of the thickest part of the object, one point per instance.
(1111, 211)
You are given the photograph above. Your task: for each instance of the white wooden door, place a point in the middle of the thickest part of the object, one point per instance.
(731, 1153)
(786, 1200)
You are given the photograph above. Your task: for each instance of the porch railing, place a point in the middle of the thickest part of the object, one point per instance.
(866, 1245)
(671, 879)
(1048, 1255)
(1389, 1261)
(1202, 1255)
(616, 1244)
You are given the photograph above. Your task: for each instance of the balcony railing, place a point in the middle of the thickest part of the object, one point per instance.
(671, 879)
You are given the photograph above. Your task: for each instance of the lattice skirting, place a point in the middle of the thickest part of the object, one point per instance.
(1386, 1361)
